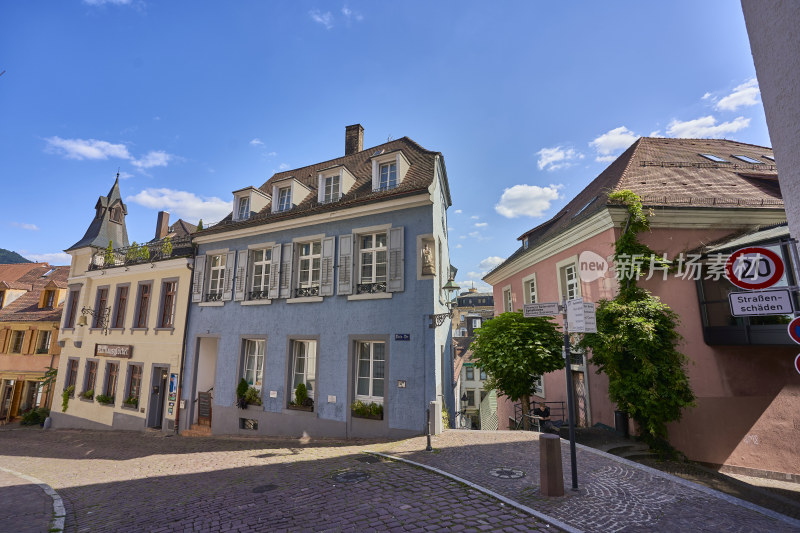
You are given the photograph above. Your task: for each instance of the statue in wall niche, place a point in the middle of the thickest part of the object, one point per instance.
(428, 268)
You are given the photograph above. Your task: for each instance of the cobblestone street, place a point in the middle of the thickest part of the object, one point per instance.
(120, 481)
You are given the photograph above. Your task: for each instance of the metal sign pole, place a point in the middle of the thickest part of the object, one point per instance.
(570, 401)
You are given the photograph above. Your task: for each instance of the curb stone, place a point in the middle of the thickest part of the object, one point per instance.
(59, 512)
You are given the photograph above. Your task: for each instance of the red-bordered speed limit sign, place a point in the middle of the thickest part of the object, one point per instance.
(754, 268)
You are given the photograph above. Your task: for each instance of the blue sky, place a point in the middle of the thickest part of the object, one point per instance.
(528, 101)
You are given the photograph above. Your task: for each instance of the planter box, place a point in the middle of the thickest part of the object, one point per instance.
(308, 408)
(109, 404)
(85, 399)
(368, 417)
(130, 406)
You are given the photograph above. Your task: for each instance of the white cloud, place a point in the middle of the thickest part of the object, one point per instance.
(475, 234)
(705, 127)
(272, 154)
(745, 94)
(156, 158)
(612, 142)
(256, 142)
(526, 200)
(183, 204)
(481, 224)
(459, 245)
(125, 175)
(103, 2)
(349, 14)
(474, 280)
(87, 148)
(326, 19)
(656, 133)
(54, 258)
(707, 96)
(490, 262)
(459, 211)
(475, 217)
(557, 157)
(283, 166)
(22, 225)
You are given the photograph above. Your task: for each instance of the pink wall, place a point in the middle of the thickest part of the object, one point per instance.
(748, 397)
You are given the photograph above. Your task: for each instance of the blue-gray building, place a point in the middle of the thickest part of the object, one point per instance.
(330, 276)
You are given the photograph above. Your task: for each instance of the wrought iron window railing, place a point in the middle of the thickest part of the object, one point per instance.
(371, 288)
(214, 296)
(145, 253)
(302, 292)
(259, 295)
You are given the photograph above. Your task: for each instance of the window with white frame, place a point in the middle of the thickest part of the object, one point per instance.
(372, 263)
(529, 288)
(308, 268)
(470, 373)
(569, 282)
(216, 277)
(332, 188)
(387, 173)
(284, 198)
(507, 302)
(254, 362)
(261, 270)
(370, 371)
(244, 208)
(476, 323)
(462, 332)
(304, 365)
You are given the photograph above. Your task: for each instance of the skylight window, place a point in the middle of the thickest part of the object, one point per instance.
(378, 152)
(714, 158)
(590, 202)
(748, 160)
(768, 157)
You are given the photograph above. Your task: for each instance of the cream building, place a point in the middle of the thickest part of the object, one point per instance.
(123, 325)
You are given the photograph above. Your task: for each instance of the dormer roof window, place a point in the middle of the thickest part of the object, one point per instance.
(288, 193)
(248, 201)
(388, 170)
(333, 183)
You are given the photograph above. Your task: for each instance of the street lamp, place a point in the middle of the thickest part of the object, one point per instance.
(101, 318)
(439, 318)
(464, 401)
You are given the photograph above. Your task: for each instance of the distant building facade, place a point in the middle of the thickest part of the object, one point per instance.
(31, 299)
(706, 197)
(328, 276)
(121, 358)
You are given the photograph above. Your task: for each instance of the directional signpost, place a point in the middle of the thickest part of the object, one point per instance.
(579, 316)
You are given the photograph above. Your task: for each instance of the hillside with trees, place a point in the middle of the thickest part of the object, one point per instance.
(7, 256)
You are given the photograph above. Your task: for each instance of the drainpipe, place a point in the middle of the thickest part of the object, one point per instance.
(183, 346)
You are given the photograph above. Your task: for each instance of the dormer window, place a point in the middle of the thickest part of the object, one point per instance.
(244, 208)
(116, 214)
(388, 176)
(49, 298)
(388, 170)
(284, 198)
(332, 189)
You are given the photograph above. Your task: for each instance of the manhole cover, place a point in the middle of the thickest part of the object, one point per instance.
(264, 488)
(369, 459)
(507, 473)
(352, 476)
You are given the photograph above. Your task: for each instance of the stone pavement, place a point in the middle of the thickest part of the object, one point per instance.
(122, 481)
(614, 494)
(25, 507)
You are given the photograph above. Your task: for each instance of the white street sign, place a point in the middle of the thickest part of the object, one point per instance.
(581, 316)
(542, 309)
(761, 303)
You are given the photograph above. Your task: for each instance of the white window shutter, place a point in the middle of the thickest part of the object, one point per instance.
(320, 188)
(326, 268)
(345, 265)
(275, 272)
(240, 285)
(286, 271)
(396, 260)
(227, 287)
(197, 281)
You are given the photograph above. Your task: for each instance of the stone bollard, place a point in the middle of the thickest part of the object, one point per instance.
(551, 475)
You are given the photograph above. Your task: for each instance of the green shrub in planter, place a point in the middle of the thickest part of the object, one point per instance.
(241, 392)
(89, 394)
(35, 416)
(102, 398)
(131, 401)
(65, 397)
(252, 396)
(300, 394)
(371, 409)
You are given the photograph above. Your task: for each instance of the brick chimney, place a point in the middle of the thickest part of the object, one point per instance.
(353, 139)
(162, 225)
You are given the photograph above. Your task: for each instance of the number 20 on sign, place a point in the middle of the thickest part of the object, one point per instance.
(754, 268)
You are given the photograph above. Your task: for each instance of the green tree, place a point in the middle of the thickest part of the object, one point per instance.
(637, 339)
(108, 259)
(514, 351)
(199, 225)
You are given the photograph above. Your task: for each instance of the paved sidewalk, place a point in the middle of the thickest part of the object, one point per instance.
(25, 506)
(614, 494)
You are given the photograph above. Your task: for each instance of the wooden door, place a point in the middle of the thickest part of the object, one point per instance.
(204, 408)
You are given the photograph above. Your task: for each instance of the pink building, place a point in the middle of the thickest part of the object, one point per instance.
(708, 198)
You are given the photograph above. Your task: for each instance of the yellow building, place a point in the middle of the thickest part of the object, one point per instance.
(31, 299)
(123, 325)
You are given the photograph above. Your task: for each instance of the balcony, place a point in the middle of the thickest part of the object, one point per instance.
(258, 295)
(303, 292)
(141, 254)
